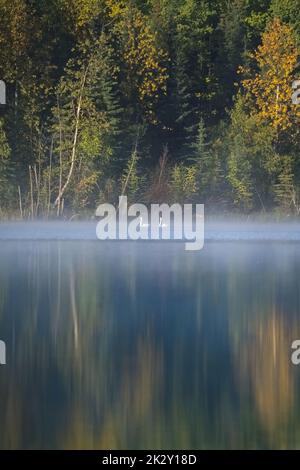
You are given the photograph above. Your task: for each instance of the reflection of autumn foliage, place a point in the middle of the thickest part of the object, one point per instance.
(13, 421)
(140, 384)
(141, 381)
(271, 380)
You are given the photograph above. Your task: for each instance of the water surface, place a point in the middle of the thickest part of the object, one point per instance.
(144, 345)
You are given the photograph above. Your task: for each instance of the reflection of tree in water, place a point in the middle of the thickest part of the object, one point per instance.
(124, 416)
(107, 351)
(70, 354)
(271, 373)
(264, 364)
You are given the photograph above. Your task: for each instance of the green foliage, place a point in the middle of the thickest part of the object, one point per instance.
(5, 171)
(288, 11)
(86, 77)
(4, 147)
(250, 149)
(85, 120)
(241, 25)
(130, 180)
(287, 194)
(208, 162)
(183, 183)
(195, 79)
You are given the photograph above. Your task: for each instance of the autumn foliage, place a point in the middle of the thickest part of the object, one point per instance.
(276, 60)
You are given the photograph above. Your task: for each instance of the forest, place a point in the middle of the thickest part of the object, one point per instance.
(160, 100)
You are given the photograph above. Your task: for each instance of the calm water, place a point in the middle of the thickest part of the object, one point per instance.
(128, 345)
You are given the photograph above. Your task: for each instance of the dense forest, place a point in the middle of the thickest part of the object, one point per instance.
(161, 100)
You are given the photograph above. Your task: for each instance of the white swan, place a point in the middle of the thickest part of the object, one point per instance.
(142, 225)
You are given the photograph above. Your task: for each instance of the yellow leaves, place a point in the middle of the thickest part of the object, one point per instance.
(144, 59)
(115, 7)
(276, 59)
(82, 11)
(87, 183)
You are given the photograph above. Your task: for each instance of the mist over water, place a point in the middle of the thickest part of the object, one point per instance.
(145, 345)
(214, 230)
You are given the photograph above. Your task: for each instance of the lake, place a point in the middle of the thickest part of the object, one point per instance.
(142, 345)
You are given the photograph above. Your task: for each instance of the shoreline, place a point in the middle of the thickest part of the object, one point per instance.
(86, 231)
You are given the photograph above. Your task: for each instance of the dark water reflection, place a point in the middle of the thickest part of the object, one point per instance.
(148, 346)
